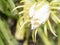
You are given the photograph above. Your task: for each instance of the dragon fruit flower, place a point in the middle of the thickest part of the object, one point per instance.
(39, 16)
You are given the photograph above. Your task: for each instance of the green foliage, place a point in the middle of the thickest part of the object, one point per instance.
(5, 34)
(6, 7)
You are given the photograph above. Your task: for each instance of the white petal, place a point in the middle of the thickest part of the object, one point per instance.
(31, 10)
(41, 14)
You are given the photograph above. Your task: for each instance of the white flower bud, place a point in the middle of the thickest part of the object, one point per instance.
(39, 16)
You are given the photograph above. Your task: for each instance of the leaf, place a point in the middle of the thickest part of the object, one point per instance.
(1, 42)
(58, 33)
(5, 32)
